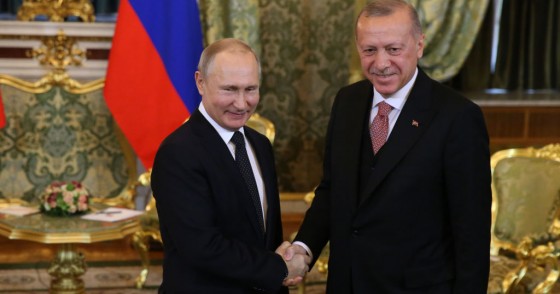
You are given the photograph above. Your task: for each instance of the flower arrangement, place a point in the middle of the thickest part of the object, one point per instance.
(64, 199)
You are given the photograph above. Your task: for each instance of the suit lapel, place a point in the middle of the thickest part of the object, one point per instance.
(212, 141)
(413, 121)
(216, 146)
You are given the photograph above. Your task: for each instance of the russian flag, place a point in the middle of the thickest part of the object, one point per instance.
(150, 87)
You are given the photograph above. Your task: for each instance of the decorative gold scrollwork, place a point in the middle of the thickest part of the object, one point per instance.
(551, 151)
(543, 256)
(59, 52)
(56, 10)
(66, 270)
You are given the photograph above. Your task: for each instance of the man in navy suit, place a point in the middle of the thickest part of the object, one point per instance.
(219, 231)
(406, 207)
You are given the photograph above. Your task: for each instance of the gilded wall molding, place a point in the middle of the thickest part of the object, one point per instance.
(56, 53)
(91, 37)
(56, 10)
(22, 29)
(40, 37)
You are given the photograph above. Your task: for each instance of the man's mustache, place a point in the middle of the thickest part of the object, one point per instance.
(385, 72)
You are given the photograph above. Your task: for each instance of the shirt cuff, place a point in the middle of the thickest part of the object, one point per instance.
(304, 247)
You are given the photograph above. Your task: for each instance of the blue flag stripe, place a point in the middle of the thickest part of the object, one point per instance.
(174, 28)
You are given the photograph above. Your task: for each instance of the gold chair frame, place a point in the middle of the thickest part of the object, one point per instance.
(58, 52)
(525, 251)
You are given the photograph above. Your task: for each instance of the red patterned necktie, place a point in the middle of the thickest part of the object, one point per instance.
(379, 128)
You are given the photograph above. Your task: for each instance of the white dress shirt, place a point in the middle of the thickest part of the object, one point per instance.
(396, 101)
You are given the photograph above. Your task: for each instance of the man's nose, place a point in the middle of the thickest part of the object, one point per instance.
(382, 61)
(240, 100)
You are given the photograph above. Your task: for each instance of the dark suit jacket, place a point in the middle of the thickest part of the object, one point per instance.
(421, 222)
(212, 243)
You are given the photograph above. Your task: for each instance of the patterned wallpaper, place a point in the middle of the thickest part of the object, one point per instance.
(59, 136)
(305, 54)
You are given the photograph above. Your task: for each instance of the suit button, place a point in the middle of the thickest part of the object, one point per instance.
(355, 233)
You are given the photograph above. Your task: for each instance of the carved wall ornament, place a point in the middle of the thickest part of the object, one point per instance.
(58, 52)
(551, 150)
(56, 10)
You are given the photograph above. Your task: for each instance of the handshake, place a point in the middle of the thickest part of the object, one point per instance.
(296, 260)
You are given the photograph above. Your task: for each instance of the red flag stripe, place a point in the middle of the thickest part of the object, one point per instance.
(138, 90)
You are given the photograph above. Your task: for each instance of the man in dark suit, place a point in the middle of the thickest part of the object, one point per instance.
(405, 196)
(215, 186)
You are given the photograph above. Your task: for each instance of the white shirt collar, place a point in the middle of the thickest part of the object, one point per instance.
(224, 133)
(398, 99)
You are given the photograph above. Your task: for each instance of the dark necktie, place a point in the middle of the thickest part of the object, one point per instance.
(244, 165)
(379, 128)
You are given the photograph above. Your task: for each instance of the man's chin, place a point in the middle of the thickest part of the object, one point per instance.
(235, 125)
(385, 90)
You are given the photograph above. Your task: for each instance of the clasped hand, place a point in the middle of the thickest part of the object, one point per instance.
(296, 260)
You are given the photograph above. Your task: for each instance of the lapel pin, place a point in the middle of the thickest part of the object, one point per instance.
(414, 123)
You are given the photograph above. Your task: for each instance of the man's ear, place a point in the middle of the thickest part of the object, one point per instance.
(199, 82)
(420, 48)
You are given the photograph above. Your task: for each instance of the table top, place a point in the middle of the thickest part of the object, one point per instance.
(42, 228)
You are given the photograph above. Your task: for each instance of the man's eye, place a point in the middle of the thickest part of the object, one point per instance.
(368, 51)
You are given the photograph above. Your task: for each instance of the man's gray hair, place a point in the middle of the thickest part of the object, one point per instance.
(388, 7)
(228, 44)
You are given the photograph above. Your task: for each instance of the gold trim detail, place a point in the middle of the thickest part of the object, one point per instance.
(40, 37)
(551, 151)
(116, 232)
(57, 52)
(141, 242)
(292, 196)
(56, 10)
(545, 257)
(66, 271)
(262, 125)
(141, 238)
(542, 255)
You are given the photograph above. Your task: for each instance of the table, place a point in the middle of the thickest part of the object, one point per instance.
(68, 265)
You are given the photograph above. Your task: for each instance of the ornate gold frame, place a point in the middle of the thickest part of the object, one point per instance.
(56, 52)
(56, 10)
(263, 125)
(551, 151)
(542, 255)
